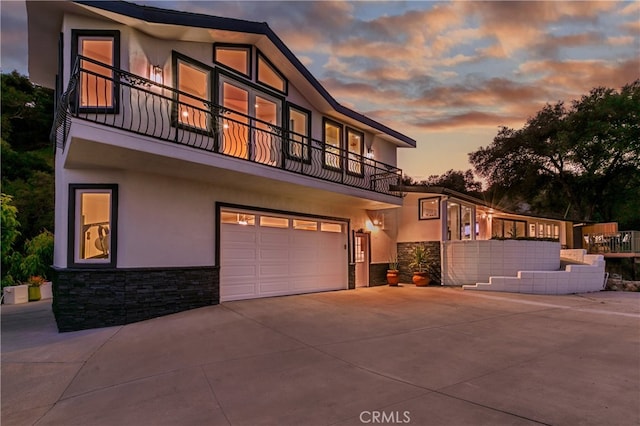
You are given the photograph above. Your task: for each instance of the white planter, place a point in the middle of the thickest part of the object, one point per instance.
(16, 294)
(46, 291)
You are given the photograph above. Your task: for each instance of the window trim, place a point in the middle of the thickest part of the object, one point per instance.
(71, 232)
(76, 34)
(340, 167)
(515, 222)
(421, 215)
(261, 56)
(175, 120)
(306, 154)
(247, 47)
(348, 151)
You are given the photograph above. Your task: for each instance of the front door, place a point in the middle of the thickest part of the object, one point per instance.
(361, 258)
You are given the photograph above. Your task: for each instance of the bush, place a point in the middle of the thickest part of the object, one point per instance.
(39, 255)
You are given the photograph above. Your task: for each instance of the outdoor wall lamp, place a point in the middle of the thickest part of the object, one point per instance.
(155, 74)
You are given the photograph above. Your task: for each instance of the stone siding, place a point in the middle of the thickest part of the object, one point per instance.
(92, 298)
(405, 257)
(378, 274)
(352, 276)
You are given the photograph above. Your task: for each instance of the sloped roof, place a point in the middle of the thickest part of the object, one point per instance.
(188, 19)
(426, 189)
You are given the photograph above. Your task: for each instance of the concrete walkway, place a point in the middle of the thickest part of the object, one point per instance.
(407, 355)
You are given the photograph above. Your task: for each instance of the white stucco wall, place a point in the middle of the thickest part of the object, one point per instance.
(167, 221)
(410, 228)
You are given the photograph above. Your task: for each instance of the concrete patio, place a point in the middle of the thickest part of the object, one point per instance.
(421, 356)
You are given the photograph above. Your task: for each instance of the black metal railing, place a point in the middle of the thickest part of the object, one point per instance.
(115, 98)
(616, 242)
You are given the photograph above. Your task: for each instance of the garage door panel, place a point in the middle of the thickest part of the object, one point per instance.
(268, 254)
(233, 271)
(274, 287)
(239, 255)
(275, 270)
(239, 292)
(305, 238)
(278, 239)
(261, 261)
(241, 234)
(304, 255)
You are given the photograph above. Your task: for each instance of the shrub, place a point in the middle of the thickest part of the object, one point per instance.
(39, 255)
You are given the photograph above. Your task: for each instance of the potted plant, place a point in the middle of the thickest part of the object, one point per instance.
(421, 266)
(34, 282)
(393, 274)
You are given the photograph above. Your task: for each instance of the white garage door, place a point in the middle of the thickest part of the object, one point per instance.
(264, 255)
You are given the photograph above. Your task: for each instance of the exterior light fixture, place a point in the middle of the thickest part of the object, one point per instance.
(155, 74)
(369, 154)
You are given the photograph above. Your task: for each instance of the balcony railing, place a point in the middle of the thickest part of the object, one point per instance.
(115, 98)
(618, 242)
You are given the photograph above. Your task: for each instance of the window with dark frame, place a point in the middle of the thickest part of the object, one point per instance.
(92, 225)
(235, 57)
(194, 81)
(100, 49)
(332, 139)
(269, 75)
(355, 151)
(429, 208)
(299, 140)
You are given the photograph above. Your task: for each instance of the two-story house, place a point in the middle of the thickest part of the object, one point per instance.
(198, 161)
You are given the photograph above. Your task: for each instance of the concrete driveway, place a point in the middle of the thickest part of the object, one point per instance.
(407, 355)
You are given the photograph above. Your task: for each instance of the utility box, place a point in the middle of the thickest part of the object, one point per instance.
(16, 294)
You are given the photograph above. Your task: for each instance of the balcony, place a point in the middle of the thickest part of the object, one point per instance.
(115, 98)
(622, 243)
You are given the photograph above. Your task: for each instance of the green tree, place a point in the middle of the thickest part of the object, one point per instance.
(27, 112)
(456, 180)
(10, 232)
(581, 161)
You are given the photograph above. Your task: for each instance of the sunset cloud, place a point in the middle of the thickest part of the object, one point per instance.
(422, 67)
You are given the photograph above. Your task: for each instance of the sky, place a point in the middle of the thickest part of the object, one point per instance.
(448, 74)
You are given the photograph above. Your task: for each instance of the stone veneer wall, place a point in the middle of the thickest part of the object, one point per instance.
(405, 257)
(352, 276)
(378, 274)
(91, 298)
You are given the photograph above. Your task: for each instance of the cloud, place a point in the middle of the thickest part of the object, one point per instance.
(579, 77)
(14, 36)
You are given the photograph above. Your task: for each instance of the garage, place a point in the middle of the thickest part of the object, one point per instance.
(269, 254)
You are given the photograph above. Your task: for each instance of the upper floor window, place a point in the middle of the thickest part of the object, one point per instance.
(100, 55)
(236, 57)
(332, 138)
(93, 224)
(193, 81)
(299, 121)
(355, 149)
(269, 75)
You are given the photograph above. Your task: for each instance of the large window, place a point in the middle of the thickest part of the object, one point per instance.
(507, 228)
(251, 119)
(299, 121)
(355, 149)
(92, 225)
(98, 90)
(235, 57)
(193, 82)
(269, 75)
(332, 138)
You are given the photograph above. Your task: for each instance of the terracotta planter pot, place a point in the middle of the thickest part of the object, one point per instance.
(421, 279)
(393, 277)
